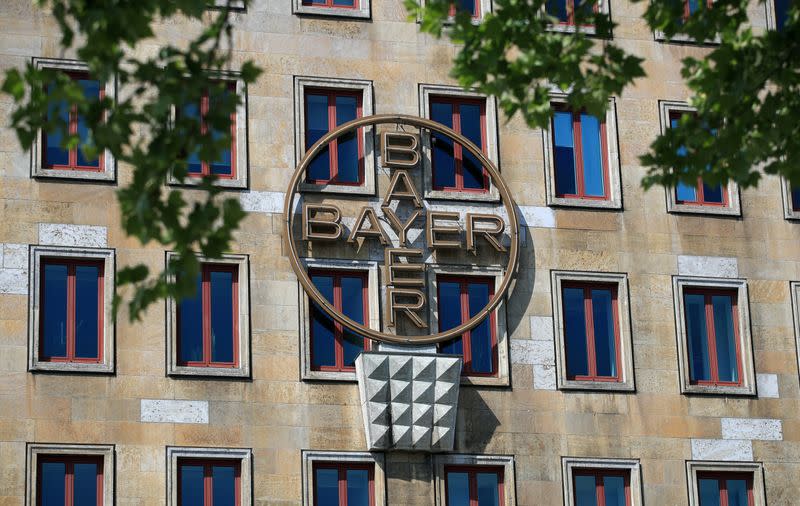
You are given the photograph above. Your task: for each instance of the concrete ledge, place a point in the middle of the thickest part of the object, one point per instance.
(721, 449)
(173, 411)
(762, 429)
(62, 234)
(715, 267)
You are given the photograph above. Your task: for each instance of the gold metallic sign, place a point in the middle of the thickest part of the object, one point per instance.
(404, 267)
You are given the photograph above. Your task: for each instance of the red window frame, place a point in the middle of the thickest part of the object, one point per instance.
(71, 264)
(699, 188)
(577, 143)
(687, 10)
(466, 343)
(73, 130)
(329, 4)
(206, 270)
(711, 336)
(205, 104)
(598, 475)
(476, 12)
(458, 150)
(333, 151)
(570, 6)
(722, 478)
(69, 462)
(338, 333)
(207, 477)
(472, 472)
(342, 468)
(589, 325)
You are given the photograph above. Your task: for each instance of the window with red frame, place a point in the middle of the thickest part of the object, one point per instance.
(225, 166)
(454, 167)
(208, 321)
(333, 347)
(692, 6)
(565, 10)
(580, 155)
(342, 161)
(795, 191)
(601, 487)
(459, 299)
(712, 330)
(474, 485)
(781, 13)
(69, 480)
(471, 6)
(55, 155)
(71, 310)
(725, 489)
(209, 482)
(344, 484)
(700, 194)
(338, 4)
(591, 331)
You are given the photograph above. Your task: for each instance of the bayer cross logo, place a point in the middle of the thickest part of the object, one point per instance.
(406, 227)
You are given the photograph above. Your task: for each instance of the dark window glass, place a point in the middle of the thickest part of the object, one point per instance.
(730, 489)
(90, 89)
(471, 123)
(332, 346)
(86, 311)
(594, 487)
(590, 332)
(781, 13)
(709, 492)
(326, 487)
(454, 167)
(579, 155)
(443, 148)
(323, 344)
(347, 145)
(468, 6)
(605, 349)
(191, 325)
(558, 9)
(700, 193)
(84, 488)
(565, 10)
(192, 485)
(223, 486)
(223, 165)
(487, 489)
(342, 161)
(192, 111)
(796, 199)
(54, 153)
(614, 490)
(316, 127)
(592, 156)
(357, 487)
(52, 478)
(222, 308)
(564, 150)
(69, 480)
(585, 491)
(468, 486)
(450, 298)
(481, 347)
(207, 483)
(478, 346)
(54, 308)
(352, 307)
(70, 122)
(332, 3)
(343, 484)
(458, 489)
(713, 354)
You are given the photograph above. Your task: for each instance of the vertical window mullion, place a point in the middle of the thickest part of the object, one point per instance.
(711, 339)
(599, 488)
(333, 147)
(466, 338)
(338, 333)
(69, 476)
(577, 140)
(72, 129)
(458, 149)
(472, 479)
(204, 106)
(591, 356)
(208, 494)
(342, 485)
(205, 308)
(723, 492)
(701, 194)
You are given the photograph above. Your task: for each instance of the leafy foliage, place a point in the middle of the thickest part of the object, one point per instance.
(746, 90)
(141, 128)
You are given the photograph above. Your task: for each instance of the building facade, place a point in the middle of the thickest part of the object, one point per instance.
(646, 351)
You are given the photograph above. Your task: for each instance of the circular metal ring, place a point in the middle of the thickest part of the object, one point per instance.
(347, 322)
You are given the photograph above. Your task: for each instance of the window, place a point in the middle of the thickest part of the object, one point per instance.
(795, 199)
(67, 475)
(473, 7)
(334, 348)
(454, 168)
(225, 165)
(474, 480)
(593, 347)
(204, 482)
(459, 298)
(791, 200)
(344, 484)
(343, 478)
(208, 321)
(564, 10)
(714, 335)
(208, 476)
(333, 4)
(726, 483)
(342, 162)
(339, 8)
(209, 330)
(601, 482)
(780, 13)
(580, 155)
(71, 317)
(51, 157)
(692, 6)
(347, 164)
(699, 197)
(794, 288)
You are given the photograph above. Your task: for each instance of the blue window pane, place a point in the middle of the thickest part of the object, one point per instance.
(357, 487)
(586, 7)
(708, 490)
(444, 163)
(694, 6)
(223, 165)
(564, 154)
(326, 487)
(323, 351)
(558, 9)
(192, 111)
(699, 365)
(352, 307)
(604, 336)
(54, 308)
(593, 175)
(725, 338)
(614, 487)
(347, 150)
(191, 486)
(58, 111)
(471, 129)
(87, 307)
(585, 491)
(737, 493)
(449, 306)
(191, 325)
(316, 127)
(488, 489)
(344, 3)
(457, 489)
(223, 485)
(222, 316)
(52, 480)
(466, 5)
(781, 13)
(712, 193)
(480, 337)
(685, 193)
(90, 89)
(575, 330)
(796, 199)
(85, 484)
